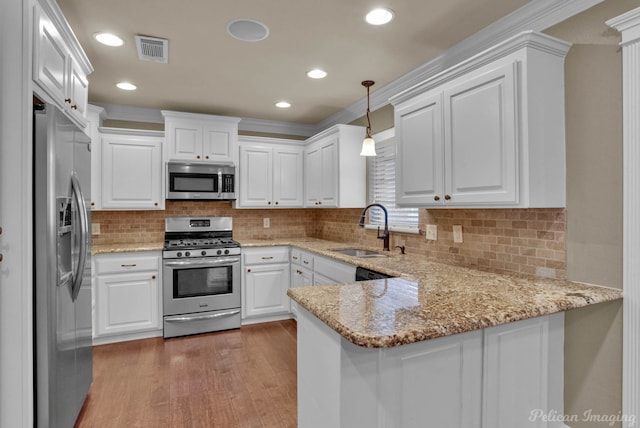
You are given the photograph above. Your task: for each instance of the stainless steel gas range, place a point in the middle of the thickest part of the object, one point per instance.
(201, 276)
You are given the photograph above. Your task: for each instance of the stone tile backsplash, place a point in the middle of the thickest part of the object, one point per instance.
(530, 241)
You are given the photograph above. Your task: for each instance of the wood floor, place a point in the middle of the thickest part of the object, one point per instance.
(236, 378)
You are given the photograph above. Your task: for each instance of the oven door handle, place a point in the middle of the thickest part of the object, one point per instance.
(202, 317)
(192, 263)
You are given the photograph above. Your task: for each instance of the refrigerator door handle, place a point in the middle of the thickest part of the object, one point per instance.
(84, 233)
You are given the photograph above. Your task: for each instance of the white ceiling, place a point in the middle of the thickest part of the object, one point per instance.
(211, 72)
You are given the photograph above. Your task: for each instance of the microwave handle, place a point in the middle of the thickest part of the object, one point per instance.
(219, 183)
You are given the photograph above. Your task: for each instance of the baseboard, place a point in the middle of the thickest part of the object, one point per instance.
(104, 340)
(267, 318)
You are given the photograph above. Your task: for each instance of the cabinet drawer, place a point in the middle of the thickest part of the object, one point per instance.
(306, 260)
(296, 256)
(266, 255)
(121, 263)
(337, 271)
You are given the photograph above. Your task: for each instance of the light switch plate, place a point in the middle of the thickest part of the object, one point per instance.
(432, 232)
(266, 223)
(457, 233)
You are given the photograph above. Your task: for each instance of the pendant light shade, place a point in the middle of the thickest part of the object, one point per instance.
(368, 145)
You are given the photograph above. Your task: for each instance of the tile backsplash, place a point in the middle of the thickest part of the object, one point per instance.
(530, 241)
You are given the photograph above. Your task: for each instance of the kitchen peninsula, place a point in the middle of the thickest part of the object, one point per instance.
(440, 345)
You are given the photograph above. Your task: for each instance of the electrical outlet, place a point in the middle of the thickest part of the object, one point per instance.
(457, 233)
(95, 228)
(432, 232)
(266, 223)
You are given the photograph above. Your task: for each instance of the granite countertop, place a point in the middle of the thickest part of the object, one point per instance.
(126, 247)
(428, 300)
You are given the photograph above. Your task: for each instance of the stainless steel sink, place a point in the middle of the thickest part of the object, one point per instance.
(359, 252)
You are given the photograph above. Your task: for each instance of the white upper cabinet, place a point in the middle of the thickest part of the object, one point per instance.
(60, 67)
(488, 132)
(200, 137)
(131, 170)
(270, 173)
(335, 173)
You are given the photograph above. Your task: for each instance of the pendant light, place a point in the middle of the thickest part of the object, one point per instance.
(368, 145)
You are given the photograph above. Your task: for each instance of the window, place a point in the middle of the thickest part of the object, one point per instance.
(382, 187)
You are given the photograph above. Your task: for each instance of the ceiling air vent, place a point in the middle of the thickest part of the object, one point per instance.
(153, 49)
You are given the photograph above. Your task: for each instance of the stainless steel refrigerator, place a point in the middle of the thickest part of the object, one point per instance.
(62, 252)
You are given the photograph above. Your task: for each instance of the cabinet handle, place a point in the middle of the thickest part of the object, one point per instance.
(67, 100)
(305, 262)
(436, 198)
(447, 197)
(294, 257)
(0, 230)
(1, 257)
(131, 265)
(267, 258)
(248, 270)
(74, 107)
(153, 277)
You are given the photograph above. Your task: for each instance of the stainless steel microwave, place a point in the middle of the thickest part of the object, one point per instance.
(201, 181)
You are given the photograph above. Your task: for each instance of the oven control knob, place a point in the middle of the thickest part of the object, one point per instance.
(203, 252)
(226, 251)
(187, 254)
(179, 254)
(219, 252)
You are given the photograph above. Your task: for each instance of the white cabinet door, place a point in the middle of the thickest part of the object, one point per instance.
(288, 177)
(218, 141)
(131, 172)
(256, 176)
(127, 293)
(55, 70)
(523, 372)
(266, 289)
(439, 381)
(49, 57)
(420, 157)
(300, 277)
(321, 173)
(201, 137)
(185, 140)
(480, 138)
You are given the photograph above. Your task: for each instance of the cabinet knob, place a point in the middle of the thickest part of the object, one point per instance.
(198, 157)
(0, 230)
(67, 100)
(93, 204)
(153, 277)
(206, 157)
(1, 257)
(248, 270)
(74, 107)
(436, 198)
(155, 204)
(269, 203)
(447, 197)
(276, 202)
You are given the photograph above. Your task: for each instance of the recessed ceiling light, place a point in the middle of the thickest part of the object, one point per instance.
(283, 104)
(109, 39)
(379, 16)
(317, 74)
(247, 30)
(126, 86)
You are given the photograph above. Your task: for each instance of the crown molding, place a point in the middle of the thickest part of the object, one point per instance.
(537, 15)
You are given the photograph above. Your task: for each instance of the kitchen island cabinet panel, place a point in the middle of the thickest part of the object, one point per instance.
(489, 378)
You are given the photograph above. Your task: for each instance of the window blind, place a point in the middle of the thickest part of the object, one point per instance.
(382, 189)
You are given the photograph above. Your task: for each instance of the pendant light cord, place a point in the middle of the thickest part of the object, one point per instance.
(367, 84)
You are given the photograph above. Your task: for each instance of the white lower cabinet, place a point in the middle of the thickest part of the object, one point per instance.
(127, 296)
(490, 378)
(265, 282)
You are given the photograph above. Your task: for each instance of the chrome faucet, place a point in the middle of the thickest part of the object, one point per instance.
(385, 233)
